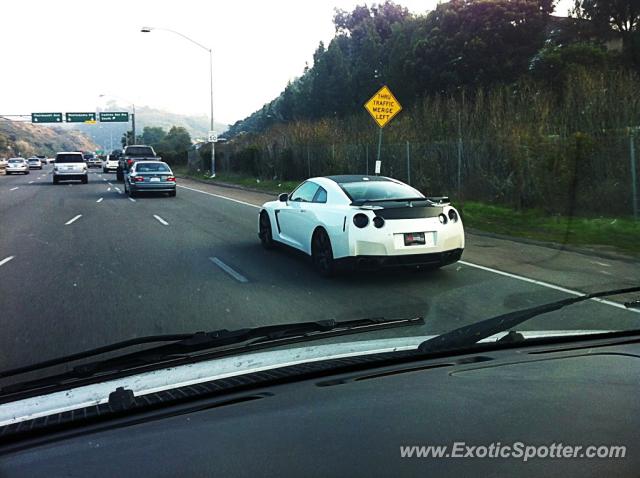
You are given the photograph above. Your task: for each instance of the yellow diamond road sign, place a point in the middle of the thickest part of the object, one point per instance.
(383, 106)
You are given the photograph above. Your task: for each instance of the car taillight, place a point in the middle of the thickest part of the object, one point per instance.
(171, 178)
(138, 179)
(361, 220)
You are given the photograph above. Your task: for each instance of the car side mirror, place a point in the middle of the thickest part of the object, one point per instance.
(284, 197)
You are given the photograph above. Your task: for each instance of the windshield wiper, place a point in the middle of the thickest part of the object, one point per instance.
(182, 345)
(471, 334)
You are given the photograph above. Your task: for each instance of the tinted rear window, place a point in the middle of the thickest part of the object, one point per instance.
(379, 190)
(139, 151)
(69, 158)
(151, 168)
(16, 160)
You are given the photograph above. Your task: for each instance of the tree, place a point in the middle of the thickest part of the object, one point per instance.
(622, 15)
(153, 135)
(173, 148)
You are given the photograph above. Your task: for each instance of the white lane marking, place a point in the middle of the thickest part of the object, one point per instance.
(31, 182)
(108, 189)
(99, 200)
(117, 188)
(110, 184)
(229, 270)
(160, 220)
(601, 264)
(606, 273)
(546, 284)
(132, 200)
(13, 189)
(71, 221)
(219, 196)
(104, 180)
(5, 260)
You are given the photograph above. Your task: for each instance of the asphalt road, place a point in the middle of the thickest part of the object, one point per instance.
(157, 265)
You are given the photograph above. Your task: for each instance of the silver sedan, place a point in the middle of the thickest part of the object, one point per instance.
(17, 165)
(150, 176)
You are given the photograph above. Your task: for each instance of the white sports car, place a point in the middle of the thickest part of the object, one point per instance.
(363, 222)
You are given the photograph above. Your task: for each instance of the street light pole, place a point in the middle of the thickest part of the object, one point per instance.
(213, 153)
(213, 144)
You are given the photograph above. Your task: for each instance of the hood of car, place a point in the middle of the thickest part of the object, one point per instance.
(208, 370)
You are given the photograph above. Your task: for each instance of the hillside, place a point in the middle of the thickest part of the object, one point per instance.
(26, 139)
(104, 134)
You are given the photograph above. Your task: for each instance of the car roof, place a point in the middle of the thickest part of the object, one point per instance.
(144, 163)
(356, 178)
(68, 152)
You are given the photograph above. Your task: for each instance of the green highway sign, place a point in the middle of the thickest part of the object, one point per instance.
(80, 117)
(114, 117)
(46, 117)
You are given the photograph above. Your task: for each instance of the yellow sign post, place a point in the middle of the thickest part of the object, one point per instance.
(382, 107)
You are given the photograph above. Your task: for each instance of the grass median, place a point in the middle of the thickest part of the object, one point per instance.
(618, 234)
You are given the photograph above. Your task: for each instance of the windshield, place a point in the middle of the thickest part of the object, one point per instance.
(282, 162)
(69, 158)
(379, 190)
(152, 168)
(140, 151)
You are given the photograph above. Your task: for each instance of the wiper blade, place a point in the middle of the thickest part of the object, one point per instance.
(471, 334)
(182, 345)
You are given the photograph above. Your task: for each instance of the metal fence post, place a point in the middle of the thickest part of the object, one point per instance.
(634, 179)
(366, 154)
(459, 156)
(408, 164)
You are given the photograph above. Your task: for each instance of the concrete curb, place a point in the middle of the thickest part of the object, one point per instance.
(230, 186)
(619, 256)
(615, 256)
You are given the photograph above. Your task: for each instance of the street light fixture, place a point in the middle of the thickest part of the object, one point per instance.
(133, 115)
(209, 50)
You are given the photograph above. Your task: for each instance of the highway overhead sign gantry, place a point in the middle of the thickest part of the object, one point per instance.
(114, 117)
(80, 117)
(383, 106)
(46, 117)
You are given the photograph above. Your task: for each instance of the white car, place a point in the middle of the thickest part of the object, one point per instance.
(69, 165)
(110, 164)
(365, 222)
(17, 165)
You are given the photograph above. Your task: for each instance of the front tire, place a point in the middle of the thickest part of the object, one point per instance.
(85, 180)
(55, 180)
(172, 194)
(322, 254)
(266, 233)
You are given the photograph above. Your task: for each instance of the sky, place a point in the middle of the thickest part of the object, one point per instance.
(61, 55)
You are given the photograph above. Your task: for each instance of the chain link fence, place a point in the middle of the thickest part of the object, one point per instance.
(587, 174)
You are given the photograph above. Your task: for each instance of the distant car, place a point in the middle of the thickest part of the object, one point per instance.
(363, 222)
(17, 165)
(150, 176)
(42, 158)
(110, 164)
(34, 163)
(69, 166)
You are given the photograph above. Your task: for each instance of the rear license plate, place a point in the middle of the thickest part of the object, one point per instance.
(154, 180)
(414, 239)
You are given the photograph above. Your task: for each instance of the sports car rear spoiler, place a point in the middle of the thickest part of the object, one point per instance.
(411, 202)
